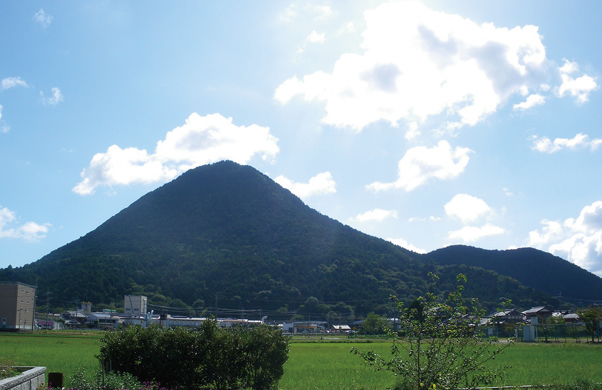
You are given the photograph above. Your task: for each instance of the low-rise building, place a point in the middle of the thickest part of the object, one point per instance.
(537, 314)
(17, 306)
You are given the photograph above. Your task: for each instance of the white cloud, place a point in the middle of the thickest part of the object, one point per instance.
(314, 37)
(466, 207)
(201, 140)
(568, 67)
(306, 11)
(321, 184)
(551, 231)
(347, 28)
(321, 11)
(420, 164)
(532, 101)
(474, 233)
(29, 231)
(413, 131)
(404, 244)
(56, 98)
(289, 13)
(419, 63)
(376, 215)
(4, 128)
(545, 145)
(580, 87)
(11, 82)
(578, 240)
(123, 167)
(42, 18)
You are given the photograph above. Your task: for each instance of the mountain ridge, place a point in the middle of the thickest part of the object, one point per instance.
(226, 231)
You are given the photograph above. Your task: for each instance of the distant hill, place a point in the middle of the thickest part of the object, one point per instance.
(225, 235)
(534, 268)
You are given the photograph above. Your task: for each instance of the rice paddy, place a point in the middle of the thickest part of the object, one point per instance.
(324, 364)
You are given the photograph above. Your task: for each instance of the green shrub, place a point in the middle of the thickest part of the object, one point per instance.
(7, 368)
(443, 347)
(81, 380)
(209, 356)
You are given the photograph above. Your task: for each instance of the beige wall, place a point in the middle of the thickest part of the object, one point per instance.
(135, 304)
(17, 303)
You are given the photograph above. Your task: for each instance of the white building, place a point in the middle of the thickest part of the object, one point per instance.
(135, 305)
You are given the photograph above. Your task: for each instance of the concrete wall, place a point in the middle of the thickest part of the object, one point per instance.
(30, 379)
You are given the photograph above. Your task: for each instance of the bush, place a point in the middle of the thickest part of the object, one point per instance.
(209, 356)
(80, 380)
(7, 368)
(443, 347)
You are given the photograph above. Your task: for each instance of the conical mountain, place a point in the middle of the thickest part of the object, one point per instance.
(222, 230)
(226, 235)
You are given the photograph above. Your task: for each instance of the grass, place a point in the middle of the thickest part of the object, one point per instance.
(332, 366)
(58, 352)
(322, 364)
(553, 363)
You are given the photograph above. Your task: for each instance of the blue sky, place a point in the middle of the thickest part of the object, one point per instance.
(425, 123)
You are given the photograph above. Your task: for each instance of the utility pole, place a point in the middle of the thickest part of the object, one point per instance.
(48, 293)
(216, 307)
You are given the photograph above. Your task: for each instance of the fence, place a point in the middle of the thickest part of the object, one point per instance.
(545, 332)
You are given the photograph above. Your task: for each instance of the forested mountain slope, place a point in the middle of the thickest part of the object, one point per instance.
(534, 268)
(226, 234)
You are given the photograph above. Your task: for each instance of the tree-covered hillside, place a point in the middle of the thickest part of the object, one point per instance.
(226, 235)
(531, 267)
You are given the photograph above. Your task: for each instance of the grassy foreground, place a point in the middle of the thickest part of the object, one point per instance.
(323, 365)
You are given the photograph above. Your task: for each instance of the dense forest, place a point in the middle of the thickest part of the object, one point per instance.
(225, 235)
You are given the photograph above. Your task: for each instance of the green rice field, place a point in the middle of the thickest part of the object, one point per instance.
(324, 364)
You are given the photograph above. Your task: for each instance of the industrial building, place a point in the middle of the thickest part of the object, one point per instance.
(17, 306)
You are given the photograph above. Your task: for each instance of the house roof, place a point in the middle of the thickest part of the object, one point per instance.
(507, 313)
(341, 327)
(537, 310)
(571, 316)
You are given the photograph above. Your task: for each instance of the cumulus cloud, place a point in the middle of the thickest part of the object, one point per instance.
(321, 184)
(42, 18)
(56, 98)
(546, 145)
(123, 167)
(474, 233)
(29, 231)
(418, 63)
(404, 244)
(421, 164)
(12, 82)
(578, 240)
(201, 140)
(579, 87)
(376, 215)
(314, 37)
(466, 207)
(532, 101)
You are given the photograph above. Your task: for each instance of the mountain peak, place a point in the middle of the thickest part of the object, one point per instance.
(228, 230)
